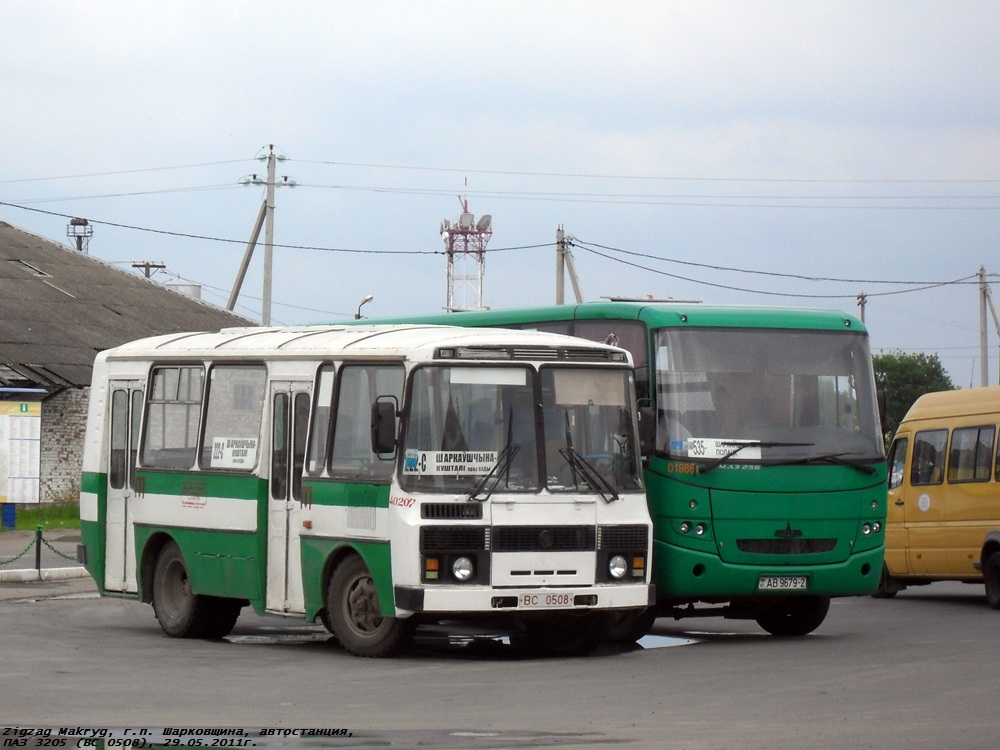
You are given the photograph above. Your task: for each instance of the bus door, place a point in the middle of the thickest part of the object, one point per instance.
(289, 420)
(123, 432)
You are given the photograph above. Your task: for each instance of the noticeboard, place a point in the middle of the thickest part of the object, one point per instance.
(20, 451)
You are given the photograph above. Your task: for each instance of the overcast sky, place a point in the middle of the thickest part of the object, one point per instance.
(768, 153)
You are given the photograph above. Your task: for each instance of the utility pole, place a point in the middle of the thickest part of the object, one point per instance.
(265, 218)
(985, 300)
(265, 305)
(564, 263)
(862, 301)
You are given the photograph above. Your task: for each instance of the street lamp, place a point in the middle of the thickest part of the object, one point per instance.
(365, 301)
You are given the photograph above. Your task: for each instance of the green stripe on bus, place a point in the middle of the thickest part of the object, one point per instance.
(351, 495)
(237, 487)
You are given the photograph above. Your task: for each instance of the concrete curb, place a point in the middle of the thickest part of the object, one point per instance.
(45, 574)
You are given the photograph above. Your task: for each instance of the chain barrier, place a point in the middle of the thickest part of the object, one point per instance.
(61, 554)
(37, 543)
(8, 560)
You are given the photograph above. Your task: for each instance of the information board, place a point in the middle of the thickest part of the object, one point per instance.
(20, 451)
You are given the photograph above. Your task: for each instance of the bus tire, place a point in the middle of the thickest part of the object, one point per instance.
(220, 616)
(354, 613)
(991, 577)
(795, 616)
(180, 612)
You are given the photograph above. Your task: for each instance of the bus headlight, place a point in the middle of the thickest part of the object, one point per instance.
(462, 569)
(866, 529)
(617, 567)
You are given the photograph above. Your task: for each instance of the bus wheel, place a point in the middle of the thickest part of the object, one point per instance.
(795, 616)
(221, 615)
(991, 576)
(355, 616)
(180, 611)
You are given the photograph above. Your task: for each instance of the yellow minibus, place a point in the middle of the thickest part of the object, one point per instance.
(943, 521)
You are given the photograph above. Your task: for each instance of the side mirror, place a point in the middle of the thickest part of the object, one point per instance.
(647, 430)
(384, 426)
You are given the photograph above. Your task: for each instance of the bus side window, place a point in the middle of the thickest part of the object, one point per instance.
(358, 389)
(170, 431)
(320, 433)
(897, 462)
(233, 416)
(118, 469)
(971, 451)
(928, 457)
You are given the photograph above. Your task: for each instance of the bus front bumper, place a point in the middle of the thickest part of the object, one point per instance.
(448, 599)
(684, 574)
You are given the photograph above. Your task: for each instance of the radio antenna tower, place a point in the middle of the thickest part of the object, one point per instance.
(465, 248)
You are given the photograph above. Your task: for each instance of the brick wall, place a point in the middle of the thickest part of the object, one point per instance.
(64, 423)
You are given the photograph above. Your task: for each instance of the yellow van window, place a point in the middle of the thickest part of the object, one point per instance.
(897, 462)
(928, 457)
(971, 454)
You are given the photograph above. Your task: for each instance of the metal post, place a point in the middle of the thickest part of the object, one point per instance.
(38, 547)
(560, 266)
(984, 367)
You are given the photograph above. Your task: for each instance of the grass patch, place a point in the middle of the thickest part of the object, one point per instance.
(49, 516)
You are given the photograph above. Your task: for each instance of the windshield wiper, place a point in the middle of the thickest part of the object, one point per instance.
(500, 469)
(835, 458)
(740, 446)
(590, 475)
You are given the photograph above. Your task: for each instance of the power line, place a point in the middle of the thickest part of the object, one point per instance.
(729, 287)
(130, 194)
(668, 178)
(583, 244)
(123, 171)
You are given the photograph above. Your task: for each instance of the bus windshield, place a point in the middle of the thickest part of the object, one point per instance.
(476, 430)
(765, 395)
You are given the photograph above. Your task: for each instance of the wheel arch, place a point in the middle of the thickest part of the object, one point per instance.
(147, 563)
(991, 544)
(376, 558)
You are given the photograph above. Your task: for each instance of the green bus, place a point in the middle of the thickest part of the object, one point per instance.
(767, 479)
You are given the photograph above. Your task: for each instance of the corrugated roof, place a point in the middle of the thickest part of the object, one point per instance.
(60, 307)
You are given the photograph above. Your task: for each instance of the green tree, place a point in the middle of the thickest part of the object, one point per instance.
(904, 378)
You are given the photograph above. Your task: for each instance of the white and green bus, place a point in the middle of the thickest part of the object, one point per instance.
(374, 477)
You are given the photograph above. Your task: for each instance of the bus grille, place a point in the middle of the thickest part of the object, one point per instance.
(451, 510)
(453, 538)
(622, 537)
(785, 546)
(543, 538)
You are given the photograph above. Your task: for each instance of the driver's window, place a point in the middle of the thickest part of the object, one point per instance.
(358, 389)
